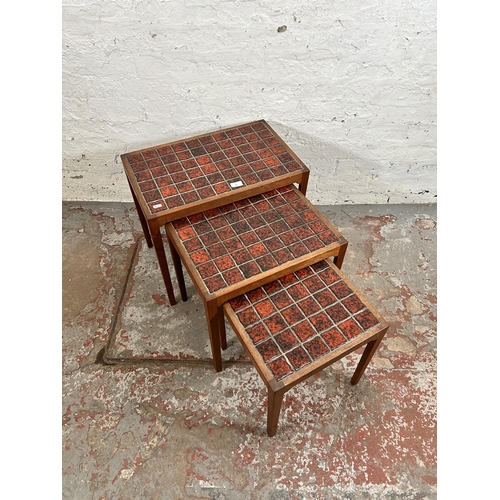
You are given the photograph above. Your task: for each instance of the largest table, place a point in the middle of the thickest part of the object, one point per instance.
(188, 176)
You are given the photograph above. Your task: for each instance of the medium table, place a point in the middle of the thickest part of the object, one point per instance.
(185, 177)
(243, 245)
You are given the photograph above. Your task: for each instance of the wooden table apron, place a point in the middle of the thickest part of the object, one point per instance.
(213, 302)
(152, 223)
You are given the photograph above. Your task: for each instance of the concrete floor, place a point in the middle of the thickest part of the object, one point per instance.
(145, 416)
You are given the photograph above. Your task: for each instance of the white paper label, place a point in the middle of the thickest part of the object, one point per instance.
(236, 184)
(158, 205)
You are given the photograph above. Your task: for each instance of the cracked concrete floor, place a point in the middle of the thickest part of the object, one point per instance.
(154, 421)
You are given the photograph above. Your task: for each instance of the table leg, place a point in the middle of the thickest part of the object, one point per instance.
(213, 313)
(274, 400)
(222, 330)
(339, 259)
(162, 260)
(304, 182)
(142, 219)
(368, 353)
(178, 270)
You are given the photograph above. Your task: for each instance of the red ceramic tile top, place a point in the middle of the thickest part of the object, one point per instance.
(301, 317)
(187, 171)
(241, 239)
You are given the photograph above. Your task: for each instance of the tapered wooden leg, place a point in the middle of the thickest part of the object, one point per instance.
(339, 259)
(368, 353)
(274, 400)
(162, 261)
(142, 219)
(304, 182)
(178, 270)
(222, 330)
(213, 313)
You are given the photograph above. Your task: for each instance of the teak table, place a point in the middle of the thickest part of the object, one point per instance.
(302, 323)
(185, 177)
(242, 245)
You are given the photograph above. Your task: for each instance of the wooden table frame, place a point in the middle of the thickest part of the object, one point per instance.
(152, 223)
(213, 302)
(277, 389)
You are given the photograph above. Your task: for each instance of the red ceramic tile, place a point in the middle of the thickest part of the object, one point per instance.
(169, 191)
(247, 317)
(224, 263)
(286, 340)
(216, 250)
(200, 256)
(313, 243)
(257, 333)
(321, 322)
(207, 269)
(193, 244)
(299, 358)
(271, 288)
(308, 306)
(299, 249)
(337, 312)
(249, 269)
(239, 302)
(298, 291)
(282, 299)
(190, 197)
(353, 304)
(265, 308)
(266, 262)
(288, 238)
(280, 368)
(325, 298)
(232, 276)
(275, 323)
(328, 276)
(291, 331)
(313, 284)
(256, 295)
(316, 348)
(333, 338)
(152, 195)
(215, 283)
(257, 250)
(156, 206)
(341, 290)
(288, 279)
(292, 315)
(302, 274)
(366, 319)
(174, 201)
(304, 330)
(147, 185)
(350, 328)
(268, 350)
(241, 256)
(282, 255)
(209, 239)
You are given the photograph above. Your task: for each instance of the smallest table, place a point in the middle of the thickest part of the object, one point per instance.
(301, 323)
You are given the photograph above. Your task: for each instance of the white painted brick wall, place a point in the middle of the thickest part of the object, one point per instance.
(351, 87)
